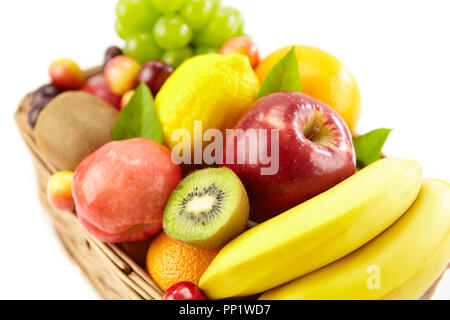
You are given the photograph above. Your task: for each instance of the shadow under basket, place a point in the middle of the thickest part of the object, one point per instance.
(114, 275)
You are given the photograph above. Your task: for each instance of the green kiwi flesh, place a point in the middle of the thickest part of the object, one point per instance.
(209, 208)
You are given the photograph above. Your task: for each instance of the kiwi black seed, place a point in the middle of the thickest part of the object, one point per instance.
(209, 208)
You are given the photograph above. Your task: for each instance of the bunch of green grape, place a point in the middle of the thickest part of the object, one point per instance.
(175, 30)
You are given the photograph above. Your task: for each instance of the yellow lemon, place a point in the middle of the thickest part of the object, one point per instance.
(324, 78)
(214, 89)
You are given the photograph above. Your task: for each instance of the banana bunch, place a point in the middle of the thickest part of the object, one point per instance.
(384, 233)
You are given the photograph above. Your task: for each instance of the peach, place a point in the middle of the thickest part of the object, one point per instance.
(244, 46)
(66, 74)
(59, 191)
(126, 99)
(121, 74)
(121, 190)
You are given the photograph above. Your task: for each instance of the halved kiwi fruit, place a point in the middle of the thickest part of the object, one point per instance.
(207, 209)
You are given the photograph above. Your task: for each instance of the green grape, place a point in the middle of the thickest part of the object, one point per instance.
(205, 50)
(172, 32)
(142, 47)
(137, 15)
(122, 32)
(225, 24)
(177, 56)
(198, 12)
(168, 6)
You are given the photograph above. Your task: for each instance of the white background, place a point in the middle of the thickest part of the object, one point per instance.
(399, 51)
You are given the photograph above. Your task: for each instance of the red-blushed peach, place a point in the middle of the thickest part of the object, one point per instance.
(59, 191)
(244, 46)
(121, 74)
(66, 74)
(126, 99)
(121, 190)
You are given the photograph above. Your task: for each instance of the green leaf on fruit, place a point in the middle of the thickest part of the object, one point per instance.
(139, 118)
(284, 76)
(368, 147)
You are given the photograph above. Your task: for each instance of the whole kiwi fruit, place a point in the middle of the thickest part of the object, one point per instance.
(72, 126)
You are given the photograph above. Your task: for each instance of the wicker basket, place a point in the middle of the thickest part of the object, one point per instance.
(110, 270)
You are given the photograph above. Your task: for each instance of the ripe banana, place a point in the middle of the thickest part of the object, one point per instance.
(315, 233)
(401, 263)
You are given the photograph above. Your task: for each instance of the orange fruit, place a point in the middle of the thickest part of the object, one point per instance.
(170, 261)
(324, 78)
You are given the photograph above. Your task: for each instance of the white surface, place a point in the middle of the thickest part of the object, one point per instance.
(398, 51)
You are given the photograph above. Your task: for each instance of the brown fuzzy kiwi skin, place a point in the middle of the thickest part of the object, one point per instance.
(72, 126)
(237, 223)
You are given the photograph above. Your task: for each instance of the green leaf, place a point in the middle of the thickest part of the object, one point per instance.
(139, 118)
(283, 77)
(368, 147)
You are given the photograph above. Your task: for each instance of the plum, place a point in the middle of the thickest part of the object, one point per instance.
(98, 87)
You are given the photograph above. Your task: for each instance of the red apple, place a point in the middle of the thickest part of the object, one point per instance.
(121, 190)
(184, 291)
(315, 152)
